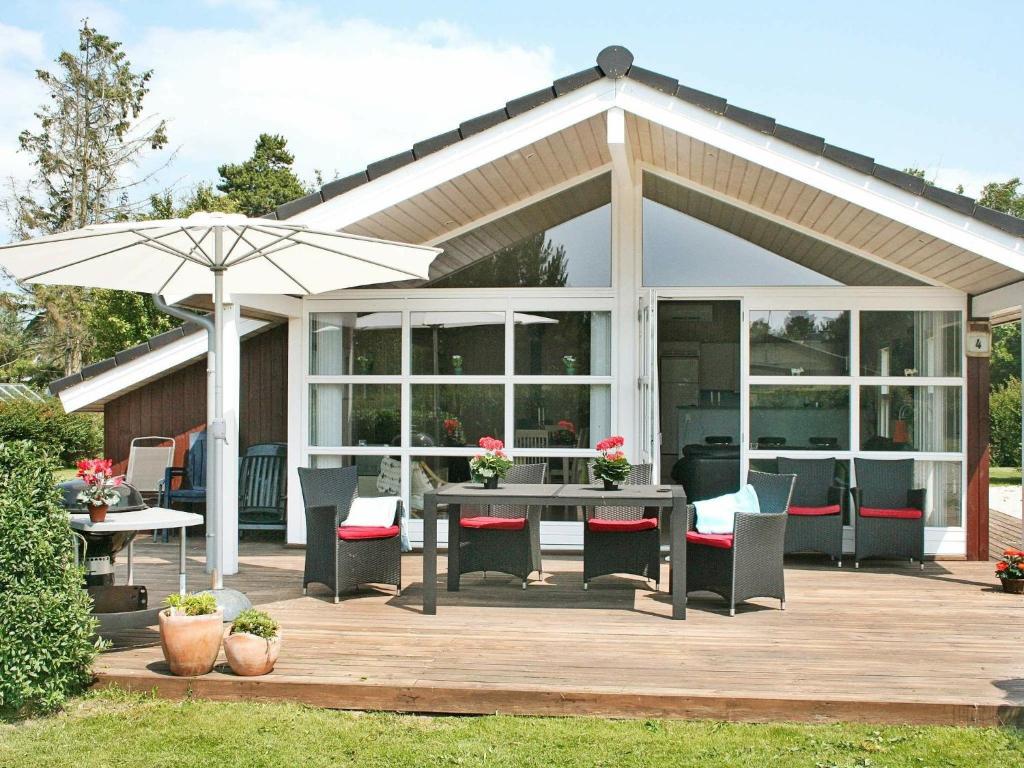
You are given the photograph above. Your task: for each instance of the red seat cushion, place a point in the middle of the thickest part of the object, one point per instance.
(494, 523)
(900, 513)
(719, 540)
(359, 532)
(597, 525)
(831, 509)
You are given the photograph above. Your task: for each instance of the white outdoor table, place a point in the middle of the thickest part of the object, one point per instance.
(151, 519)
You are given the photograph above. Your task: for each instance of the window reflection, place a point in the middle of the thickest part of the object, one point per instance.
(355, 343)
(354, 414)
(456, 343)
(561, 415)
(909, 418)
(910, 343)
(563, 343)
(800, 417)
(454, 415)
(802, 342)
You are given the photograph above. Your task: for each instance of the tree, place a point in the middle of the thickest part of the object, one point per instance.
(1004, 196)
(264, 181)
(90, 134)
(1004, 407)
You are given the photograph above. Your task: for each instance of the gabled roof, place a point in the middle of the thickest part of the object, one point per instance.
(616, 62)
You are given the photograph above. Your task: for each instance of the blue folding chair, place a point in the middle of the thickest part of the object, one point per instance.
(192, 489)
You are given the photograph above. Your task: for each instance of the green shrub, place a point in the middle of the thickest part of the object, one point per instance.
(47, 632)
(67, 436)
(255, 622)
(192, 604)
(1004, 418)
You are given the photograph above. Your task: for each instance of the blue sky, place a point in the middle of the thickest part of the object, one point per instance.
(936, 85)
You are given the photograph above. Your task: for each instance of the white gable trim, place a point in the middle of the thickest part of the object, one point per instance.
(824, 174)
(97, 390)
(673, 113)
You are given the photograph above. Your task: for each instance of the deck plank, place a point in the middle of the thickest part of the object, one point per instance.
(885, 643)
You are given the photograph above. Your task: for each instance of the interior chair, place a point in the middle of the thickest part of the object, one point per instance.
(889, 511)
(341, 556)
(622, 539)
(747, 562)
(816, 511)
(505, 537)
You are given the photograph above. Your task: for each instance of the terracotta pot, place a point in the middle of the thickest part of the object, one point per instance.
(191, 643)
(1013, 586)
(251, 655)
(98, 512)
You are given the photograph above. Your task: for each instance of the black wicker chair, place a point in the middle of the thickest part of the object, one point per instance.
(505, 537)
(889, 520)
(816, 512)
(622, 539)
(748, 562)
(339, 558)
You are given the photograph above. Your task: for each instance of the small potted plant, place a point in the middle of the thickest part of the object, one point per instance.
(101, 486)
(1010, 570)
(457, 364)
(569, 361)
(565, 434)
(491, 465)
(611, 466)
(191, 628)
(253, 643)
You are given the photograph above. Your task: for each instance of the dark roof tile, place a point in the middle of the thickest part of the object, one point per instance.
(1012, 224)
(292, 207)
(701, 99)
(751, 119)
(564, 85)
(802, 139)
(960, 203)
(615, 61)
(435, 143)
(850, 159)
(342, 185)
(529, 101)
(389, 164)
(901, 179)
(100, 366)
(163, 339)
(482, 123)
(656, 81)
(62, 384)
(127, 355)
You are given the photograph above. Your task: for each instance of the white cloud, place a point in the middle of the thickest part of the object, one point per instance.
(344, 93)
(21, 51)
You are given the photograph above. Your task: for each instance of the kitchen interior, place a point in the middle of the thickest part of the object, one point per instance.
(699, 394)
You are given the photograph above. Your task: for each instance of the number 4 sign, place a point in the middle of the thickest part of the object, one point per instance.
(979, 340)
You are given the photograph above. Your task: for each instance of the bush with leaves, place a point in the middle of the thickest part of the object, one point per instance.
(66, 436)
(255, 622)
(1004, 416)
(47, 630)
(191, 604)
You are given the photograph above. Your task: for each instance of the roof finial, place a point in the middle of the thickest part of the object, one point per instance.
(615, 61)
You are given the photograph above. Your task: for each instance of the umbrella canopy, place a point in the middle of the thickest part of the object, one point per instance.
(217, 254)
(180, 257)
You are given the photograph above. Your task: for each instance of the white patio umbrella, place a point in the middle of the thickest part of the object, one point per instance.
(217, 254)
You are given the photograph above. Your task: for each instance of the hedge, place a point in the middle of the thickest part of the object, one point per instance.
(47, 630)
(1004, 420)
(66, 436)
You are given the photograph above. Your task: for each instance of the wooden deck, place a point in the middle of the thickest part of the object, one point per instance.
(1004, 532)
(879, 644)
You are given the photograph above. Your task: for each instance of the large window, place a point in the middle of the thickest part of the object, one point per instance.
(905, 377)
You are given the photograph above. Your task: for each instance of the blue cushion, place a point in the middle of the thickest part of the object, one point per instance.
(717, 515)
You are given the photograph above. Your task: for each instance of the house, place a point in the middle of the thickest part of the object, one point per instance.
(625, 254)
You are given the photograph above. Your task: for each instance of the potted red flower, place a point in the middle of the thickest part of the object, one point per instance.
(566, 433)
(100, 487)
(491, 465)
(611, 466)
(1010, 571)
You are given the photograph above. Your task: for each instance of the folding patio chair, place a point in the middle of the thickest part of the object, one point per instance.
(147, 465)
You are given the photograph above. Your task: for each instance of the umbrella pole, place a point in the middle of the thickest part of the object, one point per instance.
(218, 430)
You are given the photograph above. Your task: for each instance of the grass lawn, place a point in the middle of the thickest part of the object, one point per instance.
(1004, 476)
(112, 729)
(64, 473)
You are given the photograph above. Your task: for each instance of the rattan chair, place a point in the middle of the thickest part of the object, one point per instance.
(622, 539)
(506, 537)
(748, 562)
(816, 511)
(343, 559)
(889, 519)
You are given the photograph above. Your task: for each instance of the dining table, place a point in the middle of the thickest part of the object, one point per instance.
(669, 500)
